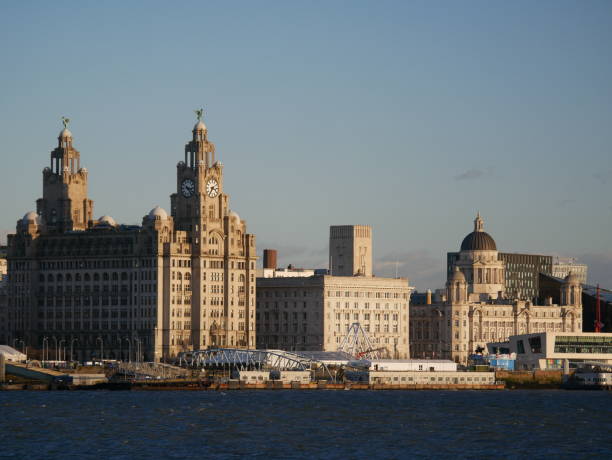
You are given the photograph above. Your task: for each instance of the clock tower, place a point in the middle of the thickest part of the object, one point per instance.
(222, 254)
(199, 203)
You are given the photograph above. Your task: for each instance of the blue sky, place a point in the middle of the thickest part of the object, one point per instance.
(408, 116)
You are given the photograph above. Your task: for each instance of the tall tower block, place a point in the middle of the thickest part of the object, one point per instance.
(350, 250)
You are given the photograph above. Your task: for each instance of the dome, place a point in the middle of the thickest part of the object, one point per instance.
(199, 126)
(234, 214)
(30, 217)
(65, 134)
(478, 240)
(158, 213)
(457, 275)
(107, 220)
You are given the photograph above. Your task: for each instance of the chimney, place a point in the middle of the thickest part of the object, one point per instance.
(428, 296)
(269, 258)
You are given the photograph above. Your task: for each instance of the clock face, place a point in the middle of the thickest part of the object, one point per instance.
(212, 188)
(187, 188)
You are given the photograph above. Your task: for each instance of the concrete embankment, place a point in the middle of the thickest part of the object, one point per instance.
(194, 385)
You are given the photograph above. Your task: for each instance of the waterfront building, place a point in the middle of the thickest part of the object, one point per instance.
(177, 282)
(311, 310)
(521, 273)
(550, 288)
(476, 309)
(550, 350)
(562, 267)
(316, 312)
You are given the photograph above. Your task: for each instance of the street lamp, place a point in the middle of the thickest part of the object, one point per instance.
(56, 350)
(129, 349)
(45, 356)
(101, 347)
(24, 349)
(137, 350)
(60, 345)
(71, 348)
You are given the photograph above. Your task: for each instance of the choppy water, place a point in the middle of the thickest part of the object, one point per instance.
(298, 424)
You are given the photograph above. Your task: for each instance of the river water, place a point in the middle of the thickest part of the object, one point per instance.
(305, 424)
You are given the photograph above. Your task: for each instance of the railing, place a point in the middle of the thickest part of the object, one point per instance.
(155, 370)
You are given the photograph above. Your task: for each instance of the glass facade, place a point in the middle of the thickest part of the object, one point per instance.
(582, 344)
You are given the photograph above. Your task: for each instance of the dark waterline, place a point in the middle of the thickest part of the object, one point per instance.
(299, 424)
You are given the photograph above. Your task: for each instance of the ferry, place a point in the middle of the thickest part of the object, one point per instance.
(590, 377)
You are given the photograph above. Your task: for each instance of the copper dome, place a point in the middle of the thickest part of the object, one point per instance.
(478, 241)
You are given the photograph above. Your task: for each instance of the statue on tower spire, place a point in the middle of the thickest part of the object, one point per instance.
(199, 113)
(478, 223)
(65, 121)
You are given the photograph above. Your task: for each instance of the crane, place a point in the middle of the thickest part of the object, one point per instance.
(365, 352)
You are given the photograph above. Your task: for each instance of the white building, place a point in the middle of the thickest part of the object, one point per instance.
(549, 350)
(302, 310)
(563, 267)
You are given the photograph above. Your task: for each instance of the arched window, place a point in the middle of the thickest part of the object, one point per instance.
(68, 277)
(115, 276)
(77, 277)
(105, 276)
(124, 276)
(60, 278)
(86, 277)
(50, 278)
(96, 277)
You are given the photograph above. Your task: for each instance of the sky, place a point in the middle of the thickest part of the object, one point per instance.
(409, 116)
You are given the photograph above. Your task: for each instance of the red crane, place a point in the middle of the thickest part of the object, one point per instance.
(371, 350)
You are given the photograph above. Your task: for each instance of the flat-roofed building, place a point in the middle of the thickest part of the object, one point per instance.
(316, 312)
(563, 267)
(549, 350)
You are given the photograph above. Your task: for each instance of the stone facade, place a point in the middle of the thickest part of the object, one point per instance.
(475, 309)
(521, 273)
(177, 282)
(350, 250)
(315, 312)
